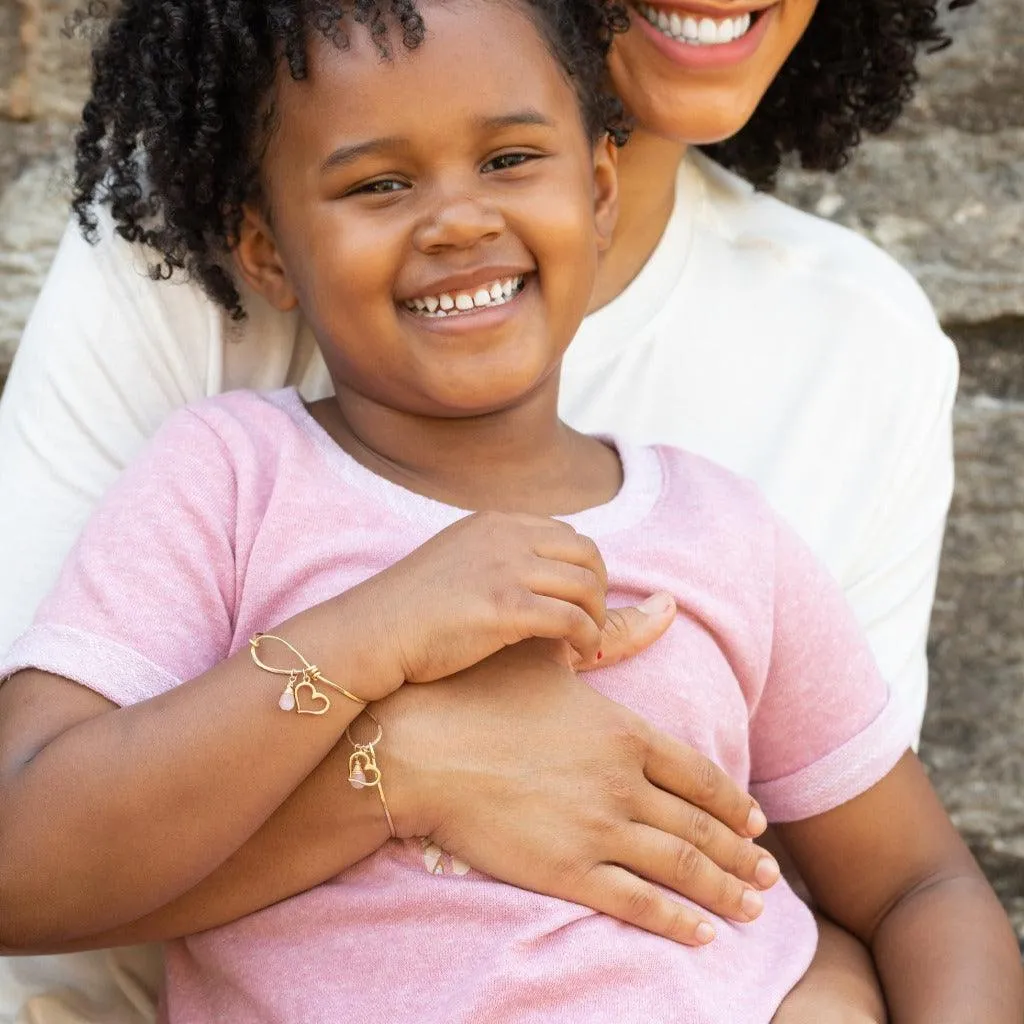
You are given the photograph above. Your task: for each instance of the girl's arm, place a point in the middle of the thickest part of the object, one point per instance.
(108, 813)
(520, 707)
(890, 867)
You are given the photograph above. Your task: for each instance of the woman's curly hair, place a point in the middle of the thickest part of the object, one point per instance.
(181, 109)
(853, 72)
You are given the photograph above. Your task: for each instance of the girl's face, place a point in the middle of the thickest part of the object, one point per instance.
(694, 71)
(436, 216)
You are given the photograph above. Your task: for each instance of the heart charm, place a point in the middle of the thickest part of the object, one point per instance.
(315, 696)
(364, 776)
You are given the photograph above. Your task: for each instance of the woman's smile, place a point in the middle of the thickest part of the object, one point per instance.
(693, 36)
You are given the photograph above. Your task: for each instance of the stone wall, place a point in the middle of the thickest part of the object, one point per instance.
(944, 193)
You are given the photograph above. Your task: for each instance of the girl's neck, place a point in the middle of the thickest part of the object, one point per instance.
(648, 166)
(522, 459)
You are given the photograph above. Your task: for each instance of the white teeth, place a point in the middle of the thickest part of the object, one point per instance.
(687, 29)
(495, 294)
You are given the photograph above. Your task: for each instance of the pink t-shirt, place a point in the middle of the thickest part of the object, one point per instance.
(243, 512)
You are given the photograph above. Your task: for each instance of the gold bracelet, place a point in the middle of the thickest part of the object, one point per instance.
(363, 772)
(300, 680)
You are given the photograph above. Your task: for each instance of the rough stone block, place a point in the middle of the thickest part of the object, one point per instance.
(44, 57)
(944, 191)
(33, 213)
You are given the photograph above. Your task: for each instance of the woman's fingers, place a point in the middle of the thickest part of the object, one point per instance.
(691, 776)
(615, 891)
(678, 865)
(730, 853)
(628, 631)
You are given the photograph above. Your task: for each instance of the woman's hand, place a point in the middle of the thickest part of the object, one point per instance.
(520, 769)
(487, 581)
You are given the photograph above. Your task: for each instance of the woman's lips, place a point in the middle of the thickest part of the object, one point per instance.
(698, 55)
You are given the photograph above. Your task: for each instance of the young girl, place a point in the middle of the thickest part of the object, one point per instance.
(438, 221)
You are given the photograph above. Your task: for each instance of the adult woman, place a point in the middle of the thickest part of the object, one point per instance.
(870, 497)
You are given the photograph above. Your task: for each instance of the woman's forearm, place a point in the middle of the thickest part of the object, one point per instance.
(946, 954)
(324, 827)
(110, 794)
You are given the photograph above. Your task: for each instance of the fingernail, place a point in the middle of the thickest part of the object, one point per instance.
(752, 903)
(756, 821)
(704, 933)
(767, 872)
(657, 604)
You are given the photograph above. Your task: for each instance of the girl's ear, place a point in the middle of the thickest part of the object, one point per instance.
(259, 262)
(606, 190)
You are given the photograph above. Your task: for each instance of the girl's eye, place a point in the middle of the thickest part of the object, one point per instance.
(381, 187)
(506, 161)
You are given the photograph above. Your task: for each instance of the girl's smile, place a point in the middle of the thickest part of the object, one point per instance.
(470, 312)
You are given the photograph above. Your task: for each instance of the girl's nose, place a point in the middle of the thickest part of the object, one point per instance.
(459, 223)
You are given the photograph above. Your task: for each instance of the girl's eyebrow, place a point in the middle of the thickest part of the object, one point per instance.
(348, 154)
(527, 116)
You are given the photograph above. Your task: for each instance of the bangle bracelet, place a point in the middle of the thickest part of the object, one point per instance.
(299, 681)
(363, 772)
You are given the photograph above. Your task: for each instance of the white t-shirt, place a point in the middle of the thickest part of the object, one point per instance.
(787, 348)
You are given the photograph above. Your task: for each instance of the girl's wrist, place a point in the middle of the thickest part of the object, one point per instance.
(348, 641)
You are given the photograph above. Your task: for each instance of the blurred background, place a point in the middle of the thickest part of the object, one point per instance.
(944, 193)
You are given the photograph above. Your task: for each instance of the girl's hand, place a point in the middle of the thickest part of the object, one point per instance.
(521, 770)
(488, 581)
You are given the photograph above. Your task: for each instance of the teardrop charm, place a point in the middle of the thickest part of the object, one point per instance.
(287, 699)
(357, 777)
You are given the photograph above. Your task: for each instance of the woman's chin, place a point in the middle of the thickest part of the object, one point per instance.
(702, 117)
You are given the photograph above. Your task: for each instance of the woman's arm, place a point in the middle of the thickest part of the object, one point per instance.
(480, 792)
(107, 354)
(890, 867)
(107, 813)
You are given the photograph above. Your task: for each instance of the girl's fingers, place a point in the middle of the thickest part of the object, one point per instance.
(549, 618)
(565, 582)
(734, 855)
(688, 774)
(673, 862)
(569, 546)
(614, 891)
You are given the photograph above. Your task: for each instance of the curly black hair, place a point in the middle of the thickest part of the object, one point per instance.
(853, 72)
(156, 146)
(181, 109)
